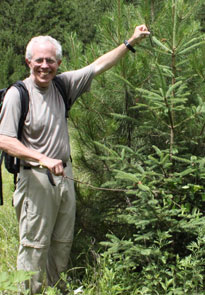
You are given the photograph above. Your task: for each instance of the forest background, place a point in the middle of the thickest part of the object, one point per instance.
(138, 144)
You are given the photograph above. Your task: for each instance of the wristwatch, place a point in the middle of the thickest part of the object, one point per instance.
(127, 44)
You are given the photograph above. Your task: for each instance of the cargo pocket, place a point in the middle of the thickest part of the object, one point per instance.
(37, 234)
(20, 194)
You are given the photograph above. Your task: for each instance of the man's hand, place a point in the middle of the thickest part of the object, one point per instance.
(140, 33)
(54, 165)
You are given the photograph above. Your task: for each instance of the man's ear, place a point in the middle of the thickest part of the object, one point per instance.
(59, 62)
(28, 61)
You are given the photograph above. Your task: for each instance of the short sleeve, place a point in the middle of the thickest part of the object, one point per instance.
(10, 113)
(77, 82)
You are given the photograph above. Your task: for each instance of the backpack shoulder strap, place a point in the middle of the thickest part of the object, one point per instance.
(62, 89)
(1, 188)
(24, 97)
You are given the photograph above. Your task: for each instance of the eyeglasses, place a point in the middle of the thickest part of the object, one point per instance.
(49, 61)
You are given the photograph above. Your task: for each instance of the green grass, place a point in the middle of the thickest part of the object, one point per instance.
(9, 277)
(8, 226)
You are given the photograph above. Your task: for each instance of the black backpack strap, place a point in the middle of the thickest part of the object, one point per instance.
(1, 188)
(62, 89)
(24, 97)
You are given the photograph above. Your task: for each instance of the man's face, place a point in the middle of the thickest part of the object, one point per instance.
(43, 63)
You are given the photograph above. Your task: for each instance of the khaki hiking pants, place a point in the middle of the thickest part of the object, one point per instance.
(46, 216)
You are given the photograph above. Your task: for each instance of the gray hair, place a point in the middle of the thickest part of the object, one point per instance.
(43, 39)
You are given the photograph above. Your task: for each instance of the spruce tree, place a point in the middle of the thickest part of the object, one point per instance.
(142, 129)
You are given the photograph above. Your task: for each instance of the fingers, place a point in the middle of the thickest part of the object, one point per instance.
(58, 169)
(143, 31)
(143, 28)
(54, 165)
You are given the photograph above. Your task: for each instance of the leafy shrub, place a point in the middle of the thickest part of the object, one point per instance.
(163, 251)
(10, 281)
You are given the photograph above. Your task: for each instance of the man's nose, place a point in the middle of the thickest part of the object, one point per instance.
(44, 63)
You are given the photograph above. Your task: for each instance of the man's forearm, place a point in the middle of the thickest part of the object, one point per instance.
(14, 147)
(109, 59)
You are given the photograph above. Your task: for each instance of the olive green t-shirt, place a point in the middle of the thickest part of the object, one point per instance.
(45, 128)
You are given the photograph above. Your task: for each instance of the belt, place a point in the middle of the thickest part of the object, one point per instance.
(48, 172)
(38, 166)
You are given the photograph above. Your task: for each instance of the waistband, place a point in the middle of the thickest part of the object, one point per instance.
(28, 167)
(49, 174)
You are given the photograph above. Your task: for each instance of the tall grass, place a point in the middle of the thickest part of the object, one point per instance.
(8, 226)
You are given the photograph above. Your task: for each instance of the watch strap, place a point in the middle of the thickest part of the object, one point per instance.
(127, 44)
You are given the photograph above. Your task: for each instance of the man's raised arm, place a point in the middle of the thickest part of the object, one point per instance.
(109, 59)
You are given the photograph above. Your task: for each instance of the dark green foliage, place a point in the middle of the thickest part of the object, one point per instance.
(142, 129)
(21, 20)
(165, 252)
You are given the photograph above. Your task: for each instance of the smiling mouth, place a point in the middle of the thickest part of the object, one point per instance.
(44, 74)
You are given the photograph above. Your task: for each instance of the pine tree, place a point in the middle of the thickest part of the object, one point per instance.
(137, 131)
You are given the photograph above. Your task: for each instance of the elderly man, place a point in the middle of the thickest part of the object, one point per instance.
(46, 213)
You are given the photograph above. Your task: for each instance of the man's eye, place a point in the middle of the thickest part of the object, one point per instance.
(50, 61)
(39, 60)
